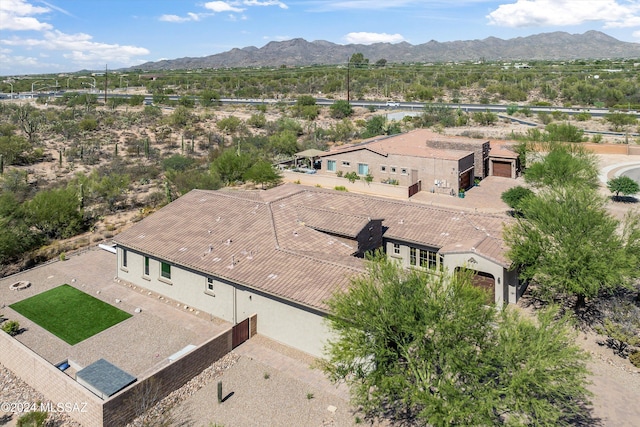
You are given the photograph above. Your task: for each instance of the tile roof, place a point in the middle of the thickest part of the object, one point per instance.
(285, 241)
(412, 143)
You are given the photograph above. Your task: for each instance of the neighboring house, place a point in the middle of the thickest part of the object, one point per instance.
(428, 160)
(283, 252)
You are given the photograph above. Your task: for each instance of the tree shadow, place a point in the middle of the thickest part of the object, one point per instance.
(5, 419)
(624, 199)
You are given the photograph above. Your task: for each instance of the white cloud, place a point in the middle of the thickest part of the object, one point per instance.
(80, 48)
(370, 38)
(265, 3)
(535, 13)
(16, 15)
(175, 18)
(221, 6)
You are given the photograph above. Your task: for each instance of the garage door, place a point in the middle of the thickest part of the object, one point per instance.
(465, 180)
(502, 169)
(486, 282)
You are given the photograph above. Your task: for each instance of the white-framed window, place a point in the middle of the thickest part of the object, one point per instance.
(403, 171)
(146, 266)
(124, 258)
(165, 270)
(363, 169)
(383, 168)
(331, 165)
(412, 256)
(396, 248)
(346, 164)
(393, 169)
(210, 284)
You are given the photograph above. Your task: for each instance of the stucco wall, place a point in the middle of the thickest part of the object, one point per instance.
(280, 320)
(55, 385)
(428, 169)
(124, 406)
(473, 261)
(479, 148)
(330, 180)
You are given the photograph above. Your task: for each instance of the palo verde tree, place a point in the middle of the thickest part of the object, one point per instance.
(422, 348)
(568, 244)
(563, 165)
(622, 184)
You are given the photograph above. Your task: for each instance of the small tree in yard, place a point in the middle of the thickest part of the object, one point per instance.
(623, 184)
(513, 197)
(425, 349)
(12, 327)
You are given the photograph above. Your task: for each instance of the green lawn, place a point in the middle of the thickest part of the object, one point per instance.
(70, 314)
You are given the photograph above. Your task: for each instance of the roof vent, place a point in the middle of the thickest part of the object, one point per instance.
(272, 276)
(218, 219)
(228, 242)
(401, 221)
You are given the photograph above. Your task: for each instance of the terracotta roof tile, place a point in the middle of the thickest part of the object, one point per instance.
(273, 240)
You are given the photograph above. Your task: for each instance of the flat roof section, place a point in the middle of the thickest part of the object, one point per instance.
(104, 379)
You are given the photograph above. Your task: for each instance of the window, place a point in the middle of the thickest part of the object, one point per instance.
(412, 256)
(403, 171)
(210, 283)
(124, 257)
(428, 259)
(383, 168)
(346, 164)
(393, 169)
(423, 258)
(363, 169)
(331, 165)
(433, 260)
(165, 270)
(396, 248)
(146, 266)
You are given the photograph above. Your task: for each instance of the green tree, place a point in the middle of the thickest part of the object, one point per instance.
(358, 60)
(563, 132)
(564, 165)
(623, 184)
(513, 197)
(55, 213)
(263, 172)
(229, 124)
(568, 244)
(136, 100)
(424, 349)
(619, 120)
(341, 109)
(283, 143)
(231, 166)
(178, 163)
(209, 98)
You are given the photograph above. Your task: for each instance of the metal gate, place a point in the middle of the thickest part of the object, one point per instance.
(240, 333)
(415, 188)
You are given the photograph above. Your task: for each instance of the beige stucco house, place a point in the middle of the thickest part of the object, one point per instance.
(422, 158)
(281, 253)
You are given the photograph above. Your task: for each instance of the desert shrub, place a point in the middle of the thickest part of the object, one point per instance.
(340, 188)
(12, 327)
(352, 177)
(32, 419)
(634, 358)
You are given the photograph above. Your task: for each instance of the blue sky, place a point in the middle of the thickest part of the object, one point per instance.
(38, 36)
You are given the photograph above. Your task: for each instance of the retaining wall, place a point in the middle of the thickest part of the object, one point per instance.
(331, 181)
(55, 385)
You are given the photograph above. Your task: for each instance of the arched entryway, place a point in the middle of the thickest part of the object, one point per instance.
(482, 280)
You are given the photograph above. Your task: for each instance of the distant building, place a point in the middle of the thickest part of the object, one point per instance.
(433, 162)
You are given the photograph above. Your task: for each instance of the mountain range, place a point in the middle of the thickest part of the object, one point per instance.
(299, 52)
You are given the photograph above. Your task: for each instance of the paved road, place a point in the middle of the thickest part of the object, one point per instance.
(633, 174)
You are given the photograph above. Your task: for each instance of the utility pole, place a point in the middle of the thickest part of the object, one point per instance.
(106, 82)
(348, 92)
